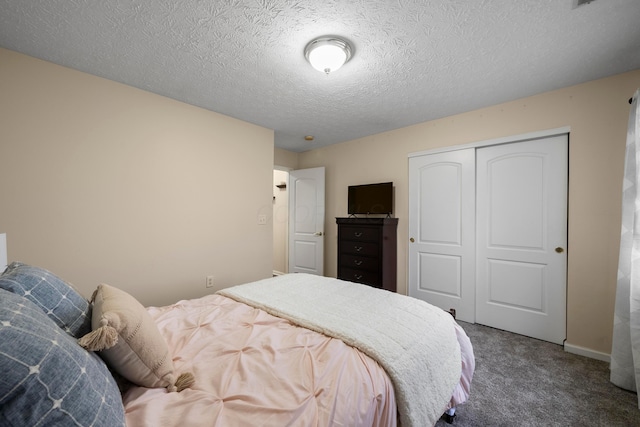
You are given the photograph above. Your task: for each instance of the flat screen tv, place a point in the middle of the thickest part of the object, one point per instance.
(371, 199)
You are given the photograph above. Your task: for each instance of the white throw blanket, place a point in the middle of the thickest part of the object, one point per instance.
(414, 341)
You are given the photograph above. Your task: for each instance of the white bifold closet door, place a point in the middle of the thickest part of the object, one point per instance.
(493, 245)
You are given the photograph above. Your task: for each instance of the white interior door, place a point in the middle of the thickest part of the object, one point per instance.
(522, 237)
(306, 221)
(441, 231)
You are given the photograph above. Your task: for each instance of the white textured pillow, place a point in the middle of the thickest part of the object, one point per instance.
(130, 342)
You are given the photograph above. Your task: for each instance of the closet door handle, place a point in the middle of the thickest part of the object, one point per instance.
(559, 249)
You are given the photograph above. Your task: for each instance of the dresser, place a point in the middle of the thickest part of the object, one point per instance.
(367, 251)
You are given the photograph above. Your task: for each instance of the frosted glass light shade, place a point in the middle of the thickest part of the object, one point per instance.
(327, 54)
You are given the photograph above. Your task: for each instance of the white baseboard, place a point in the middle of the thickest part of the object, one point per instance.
(581, 351)
(278, 273)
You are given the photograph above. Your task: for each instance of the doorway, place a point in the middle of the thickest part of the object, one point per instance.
(280, 221)
(298, 220)
(488, 233)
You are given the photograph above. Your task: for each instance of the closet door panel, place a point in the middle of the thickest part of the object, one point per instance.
(441, 204)
(441, 231)
(522, 236)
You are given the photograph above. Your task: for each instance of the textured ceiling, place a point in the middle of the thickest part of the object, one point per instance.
(414, 60)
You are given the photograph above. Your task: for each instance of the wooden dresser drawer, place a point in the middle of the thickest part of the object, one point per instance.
(361, 276)
(360, 262)
(359, 248)
(363, 234)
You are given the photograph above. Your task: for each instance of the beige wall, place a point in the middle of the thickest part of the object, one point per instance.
(285, 159)
(597, 113)
(102, 182)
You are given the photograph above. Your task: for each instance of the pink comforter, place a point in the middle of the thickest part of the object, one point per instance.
(254, 369)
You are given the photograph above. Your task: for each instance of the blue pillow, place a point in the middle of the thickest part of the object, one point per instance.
(46, 378)
(57, 298)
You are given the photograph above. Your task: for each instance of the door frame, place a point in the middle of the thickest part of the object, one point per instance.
(497, 141)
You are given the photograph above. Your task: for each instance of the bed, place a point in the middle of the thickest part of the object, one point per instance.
(293, 350)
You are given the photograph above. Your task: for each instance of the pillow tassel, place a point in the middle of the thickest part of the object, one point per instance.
(185, 380)
(102, 338)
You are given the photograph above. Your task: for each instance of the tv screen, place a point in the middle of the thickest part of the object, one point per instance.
(371, 199)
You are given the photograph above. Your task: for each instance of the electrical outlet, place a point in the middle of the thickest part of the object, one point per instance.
(262, 219)
(209, 282)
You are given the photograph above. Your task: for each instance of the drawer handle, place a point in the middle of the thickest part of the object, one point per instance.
(357, 261)
(357, 276)
(357, 248)
(358, 234)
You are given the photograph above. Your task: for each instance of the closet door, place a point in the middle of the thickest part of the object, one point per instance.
(522, 237)
(441, 231)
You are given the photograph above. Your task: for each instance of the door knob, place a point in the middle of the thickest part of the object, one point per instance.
(412, 240)
(559, 250)
(318, 233)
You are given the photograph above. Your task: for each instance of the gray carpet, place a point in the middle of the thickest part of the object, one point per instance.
(520, 381)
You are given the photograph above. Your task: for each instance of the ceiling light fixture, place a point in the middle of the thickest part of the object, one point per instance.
(327, 53)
